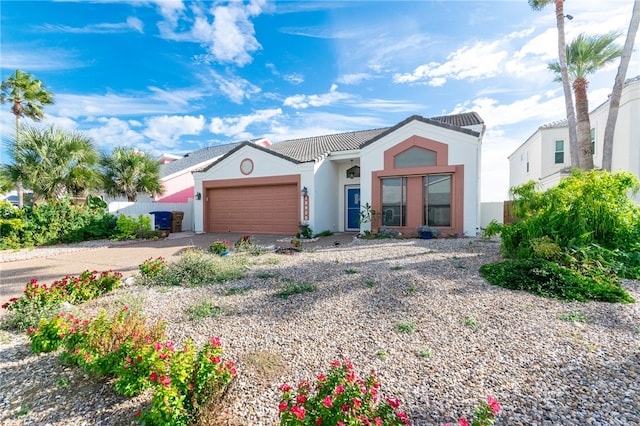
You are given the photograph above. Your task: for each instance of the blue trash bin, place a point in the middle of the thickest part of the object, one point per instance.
(162, 220)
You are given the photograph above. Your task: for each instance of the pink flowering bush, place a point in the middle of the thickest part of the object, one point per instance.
(484, 414)
(339, 398)
(152, 267)
(185, 381)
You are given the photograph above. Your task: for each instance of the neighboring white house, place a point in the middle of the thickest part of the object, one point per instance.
(422, 171)
(545, 157)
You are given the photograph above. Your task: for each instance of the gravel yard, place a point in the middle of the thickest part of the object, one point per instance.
(547, 362)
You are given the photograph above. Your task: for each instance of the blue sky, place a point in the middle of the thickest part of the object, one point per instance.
(172, 76)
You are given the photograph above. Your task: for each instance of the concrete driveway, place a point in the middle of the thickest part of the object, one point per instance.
(53, 263)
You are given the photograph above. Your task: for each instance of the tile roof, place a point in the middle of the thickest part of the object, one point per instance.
(309, 149)
(194, 158)
(460, 120)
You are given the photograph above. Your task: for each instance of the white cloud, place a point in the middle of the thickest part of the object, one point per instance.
(235, 88)
(354, 78)
(294, 78)
(536, 108)
(389, 105)
(131, 23)
(111, 104)
(470, 62)
(31, 58)
(304, 125)
(167, 130)
(112, 132)
(305, 101)
(236, 127)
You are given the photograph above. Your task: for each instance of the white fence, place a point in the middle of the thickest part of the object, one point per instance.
(138, 208)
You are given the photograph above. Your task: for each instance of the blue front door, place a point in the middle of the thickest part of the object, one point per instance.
(353, 208)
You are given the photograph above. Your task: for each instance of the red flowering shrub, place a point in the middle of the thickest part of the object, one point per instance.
(39, 299)
(152, 267)
(339, 398)
(185, 381)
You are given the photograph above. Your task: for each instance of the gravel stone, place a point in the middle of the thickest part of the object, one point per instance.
(481, 340)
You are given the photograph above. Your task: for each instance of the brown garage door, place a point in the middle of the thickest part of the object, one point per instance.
(261, 209)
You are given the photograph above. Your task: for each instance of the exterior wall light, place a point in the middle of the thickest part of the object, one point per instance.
(304, 191)
(198, 196)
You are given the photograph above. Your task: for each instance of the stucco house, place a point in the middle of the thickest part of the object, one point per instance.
(422, 171)
(176, 173)
(545, 157)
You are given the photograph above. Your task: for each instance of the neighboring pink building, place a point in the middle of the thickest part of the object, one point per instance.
(176, 176)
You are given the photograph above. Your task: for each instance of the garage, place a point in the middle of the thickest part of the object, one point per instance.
(254, 209)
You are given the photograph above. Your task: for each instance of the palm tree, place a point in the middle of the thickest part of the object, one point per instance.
(54, 163)
(585, 56)
(127, 171)
(27, 96)
(616, 93)
(566, 87)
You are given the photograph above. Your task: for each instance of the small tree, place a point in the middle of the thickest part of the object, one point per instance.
(54, 163)
(586, 55)
(127, 171)
(27, 96)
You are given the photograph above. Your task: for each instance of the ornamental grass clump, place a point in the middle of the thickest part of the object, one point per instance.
(40, 299)
(339, 398)
(187, 384)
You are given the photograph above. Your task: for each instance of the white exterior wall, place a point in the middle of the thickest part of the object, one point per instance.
(323, 201)
(264, 165)
(463, 149)
(626, 144)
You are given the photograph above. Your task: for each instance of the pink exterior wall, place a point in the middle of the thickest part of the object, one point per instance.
(177, 189)
(415, 185)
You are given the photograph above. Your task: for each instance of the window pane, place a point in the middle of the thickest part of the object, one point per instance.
(393, 201)
(559, 154)
(437, 207)
(414, 157)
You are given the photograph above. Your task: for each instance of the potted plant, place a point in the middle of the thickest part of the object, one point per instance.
(426, 232)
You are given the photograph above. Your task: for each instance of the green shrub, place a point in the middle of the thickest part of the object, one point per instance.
(305, 232)
(573, 240)
(59, 221)
(219, 247)
(195, 268)
(549, 279)
(325, 233)
(585, 208)
(130, 228)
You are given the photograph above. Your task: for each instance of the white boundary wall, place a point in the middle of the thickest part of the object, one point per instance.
(138, 208)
